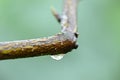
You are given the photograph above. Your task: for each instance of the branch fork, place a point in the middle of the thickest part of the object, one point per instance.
(60, 43)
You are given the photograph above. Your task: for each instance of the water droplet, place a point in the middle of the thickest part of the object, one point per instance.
(58, 56)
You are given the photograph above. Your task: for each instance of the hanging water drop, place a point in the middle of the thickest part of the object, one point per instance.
(58, 56)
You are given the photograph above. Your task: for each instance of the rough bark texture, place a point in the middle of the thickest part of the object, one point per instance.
(36, 47)
(60, 43)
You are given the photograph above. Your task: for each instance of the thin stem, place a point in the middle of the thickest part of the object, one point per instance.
(70, 11)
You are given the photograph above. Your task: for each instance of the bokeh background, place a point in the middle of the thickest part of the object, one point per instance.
(98, 55)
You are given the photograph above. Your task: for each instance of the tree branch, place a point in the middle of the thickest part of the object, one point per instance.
(70, 11)
(60, 43)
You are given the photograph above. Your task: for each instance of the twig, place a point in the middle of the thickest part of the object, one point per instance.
(60, 43)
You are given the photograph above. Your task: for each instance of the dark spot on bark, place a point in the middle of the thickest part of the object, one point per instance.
(76, 35)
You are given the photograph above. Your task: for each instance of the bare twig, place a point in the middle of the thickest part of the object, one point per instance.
(56, 15)
(69, 11)
(60, 43)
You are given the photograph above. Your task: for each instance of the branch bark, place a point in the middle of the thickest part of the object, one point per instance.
(60, 43)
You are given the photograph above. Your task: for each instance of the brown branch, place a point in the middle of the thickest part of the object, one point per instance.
(60, 43)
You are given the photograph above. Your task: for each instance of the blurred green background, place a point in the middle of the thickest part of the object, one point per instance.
(98, 55)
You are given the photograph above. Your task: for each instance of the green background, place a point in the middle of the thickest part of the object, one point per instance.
(98, 55)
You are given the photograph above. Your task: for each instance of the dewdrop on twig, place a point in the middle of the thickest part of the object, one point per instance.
(58, 56)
